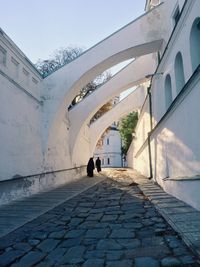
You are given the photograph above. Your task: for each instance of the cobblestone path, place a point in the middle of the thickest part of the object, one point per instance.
(109, 225)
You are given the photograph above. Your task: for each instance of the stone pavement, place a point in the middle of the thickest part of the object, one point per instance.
(17, 213)
(110, 224)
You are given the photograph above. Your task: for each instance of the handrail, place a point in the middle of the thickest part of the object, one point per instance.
(39, 174)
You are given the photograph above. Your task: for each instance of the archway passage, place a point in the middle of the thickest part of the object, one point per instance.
(64, 84)
(179, 72)
(132, 75)
(132, 102)
(195, 43)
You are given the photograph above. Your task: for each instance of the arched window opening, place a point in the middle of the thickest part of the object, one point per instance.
(194, 43)
(168, 91)
(108, 161)
(179, 72)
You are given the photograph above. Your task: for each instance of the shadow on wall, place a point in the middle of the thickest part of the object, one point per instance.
(178, 159)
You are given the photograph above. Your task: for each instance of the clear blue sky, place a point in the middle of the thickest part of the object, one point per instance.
(39, 27)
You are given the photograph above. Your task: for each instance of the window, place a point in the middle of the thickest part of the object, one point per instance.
(176, 15)
(15, 67)
(26, 74)
(102, 161)
(194, 43)
(179, 72)
(2, 56)
(108, 161)
(108, 141)
(168, 91)
(34, 80)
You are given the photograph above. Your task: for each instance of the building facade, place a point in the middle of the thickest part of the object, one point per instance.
(109, 151)
(166, 147)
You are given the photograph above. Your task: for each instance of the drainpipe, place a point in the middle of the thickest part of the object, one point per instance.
(151, 127)
(151, 121)
(150, 107)
(150, 158)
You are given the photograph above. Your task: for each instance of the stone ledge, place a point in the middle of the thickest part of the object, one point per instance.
(181, 178)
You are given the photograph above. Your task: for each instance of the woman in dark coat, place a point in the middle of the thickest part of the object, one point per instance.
(90, 167)
(98, 164)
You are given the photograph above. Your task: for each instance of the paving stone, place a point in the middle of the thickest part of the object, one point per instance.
(73, 255)
(56, 254)
(128, 216)
(93, 263)
(106, 244)
(115, 225)
(58, 234)
(82, 209)
(170, 262)
(74, 233)
(22, 246)
(95, 254)
(39, 235)
(153, 241)
(180, 251)
(174, 243)
(75, 221)
(107, 218)
(147, 222)
(82, 215)
(170, 238)
(187, 259)
(97, 233)
(87, 204)
(30, 259)
(8, 249)
(161, 225)
(45, 263)
(99, 210)
(146, 262)
(10, 256)
(114, 254)
(87, 225)
(34, 242)
(121, 263)
(122, 233)
(94, 217)
(70, 242)
(129, 243)
(134, 225)
(157, 219)
(48, 245)
(145, 233)
(160, 231)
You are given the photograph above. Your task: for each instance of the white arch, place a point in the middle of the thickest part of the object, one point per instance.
(132, 102)
(62, 86)
(132, 75)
